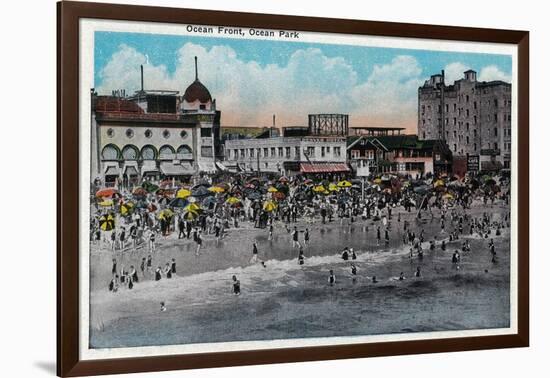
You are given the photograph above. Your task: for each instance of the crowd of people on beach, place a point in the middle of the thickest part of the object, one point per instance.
(135, 221)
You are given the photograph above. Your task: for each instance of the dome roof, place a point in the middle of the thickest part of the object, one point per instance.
(197, 91)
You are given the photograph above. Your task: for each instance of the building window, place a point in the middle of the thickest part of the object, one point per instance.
(129, 133)
(202, 107)
(495, 145)
(280, 151)
(370, 154)
(467, 112)
(148, 153)
(496, 117)
(337, 151)
(475, 146)
(206, 151)
(423, 135)
(148, 133)
(251, 152)
(206, 132)
(166, 134)
(496, 102)
(454, 107)
(467, 98)
(355, 154)
(287, 152)
(130, 153)
(183, 134)
(110, 133)
(454, 134)
(447, 108)
(495, 130)
(166, 152)
(454, 121)
(110, 152)
(323, 151)
(454, 147)
(272, 151)
(467, 139)
(242, 153)
(310, 151)
(475, 104)
(467, 126)
(266, 152)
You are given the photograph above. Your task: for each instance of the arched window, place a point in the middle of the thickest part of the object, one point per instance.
(166, 150)
(110, 152)
(184, 149)
(130, 152)
(148, 152)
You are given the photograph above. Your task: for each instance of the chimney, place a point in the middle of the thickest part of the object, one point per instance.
(141, 77)
(196, 70)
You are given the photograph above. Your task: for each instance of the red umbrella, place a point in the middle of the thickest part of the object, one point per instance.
(107, 193)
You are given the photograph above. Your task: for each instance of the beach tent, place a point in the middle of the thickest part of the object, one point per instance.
(126, 208)
(344, 184)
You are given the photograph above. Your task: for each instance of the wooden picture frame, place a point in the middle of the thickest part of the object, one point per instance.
(69, 14)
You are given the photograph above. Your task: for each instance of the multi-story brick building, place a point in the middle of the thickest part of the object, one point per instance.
(472, 117)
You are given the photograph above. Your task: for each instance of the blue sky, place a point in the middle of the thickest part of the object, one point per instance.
(317, 75)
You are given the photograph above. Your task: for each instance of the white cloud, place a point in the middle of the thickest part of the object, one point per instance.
(493, 73)
(454, 71)
(248, 93)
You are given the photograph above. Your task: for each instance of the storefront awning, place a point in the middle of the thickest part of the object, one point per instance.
(130, 171)
(112, 171)
(207, 167)
(171, 169)
(323, 167)
(149, 166)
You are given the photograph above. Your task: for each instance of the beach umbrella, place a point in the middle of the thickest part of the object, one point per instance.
(165, 214)
(439, 183)
(377, 181)
(208, 202)
(272, 189)
(201, 191)
(190, 215)
(333, 187)
(270, 206)
(178, 202)
(107, 193)
(106, 203)
(448, 196)
(183, 193)
(107, 222)
(233, 200)
(192, 207)
(216, 189)
(279, 196)
(319, 189)
(149, 186)
(283, 179)
(139, 192)
(344, 184)
(253, 195)
(141, 204)
(421, 189)
(126, 208)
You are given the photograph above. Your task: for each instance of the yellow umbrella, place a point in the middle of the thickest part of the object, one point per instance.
(439, 183)
(106, 203)
(107, 222)
(183, 193)
(344, 184)
(216, 189)
(233, 200)
(333, 187)
(272, 189)
(319, 189)
(192, 207)
(378, 180)
(191, 214)
(126, 208)
(166, 213)
(270, 206)
(326, 192)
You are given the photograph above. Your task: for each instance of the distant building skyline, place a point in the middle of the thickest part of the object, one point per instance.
(254, 79)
